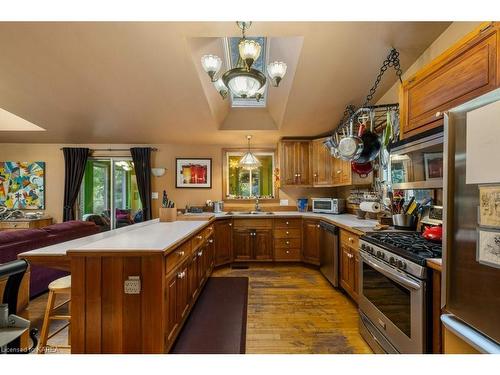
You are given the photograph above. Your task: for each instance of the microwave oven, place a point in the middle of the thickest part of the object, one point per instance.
(328, 205)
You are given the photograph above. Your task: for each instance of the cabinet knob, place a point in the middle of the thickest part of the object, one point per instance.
(351, 239)
(287, 232)
(339, 171)
(199, 237)
(200, 253)
(210, 241)
(287, 242)
(180, 253)
(317, 225)
(438, 114)
(287, 251)
(287, 223)
(230, 224)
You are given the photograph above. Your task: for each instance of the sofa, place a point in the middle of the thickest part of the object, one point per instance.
(15, 242)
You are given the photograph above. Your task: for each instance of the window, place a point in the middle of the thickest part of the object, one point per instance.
(240, 183)
(109, 185)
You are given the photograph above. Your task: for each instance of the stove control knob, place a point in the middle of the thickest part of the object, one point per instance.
(363, 246)
(370, 250)
(379, 254)
(392, 260)
(401, 264)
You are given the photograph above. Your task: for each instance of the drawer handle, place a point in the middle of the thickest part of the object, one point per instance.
(199, 237)
(287, 223)
(287, 251)
(180, 253)
(181, 275)
(287, 232)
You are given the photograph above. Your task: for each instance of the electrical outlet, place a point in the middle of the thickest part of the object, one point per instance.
(132, 285)
(283, 202)
(154, 195)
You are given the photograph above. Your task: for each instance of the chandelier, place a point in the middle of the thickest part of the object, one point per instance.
(243, 81)
(248, 160)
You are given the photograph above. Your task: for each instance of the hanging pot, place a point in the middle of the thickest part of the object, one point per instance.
(371, 144)
(351, 146)
(362, 169)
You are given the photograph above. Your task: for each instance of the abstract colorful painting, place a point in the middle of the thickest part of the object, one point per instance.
(22, 185)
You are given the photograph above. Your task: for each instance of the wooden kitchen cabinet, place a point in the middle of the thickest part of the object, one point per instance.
(242, 245)
(263, 244)
(322, 162)
(349, 263)
(341, 172)
(310, 239)
(172, 320)
(295, 162)
(287, 239)
(223, 242)
(252, 244)
(467, 70)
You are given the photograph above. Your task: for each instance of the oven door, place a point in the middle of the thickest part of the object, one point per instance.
(394, 303)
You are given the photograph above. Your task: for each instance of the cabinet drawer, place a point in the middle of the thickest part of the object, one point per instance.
(349, 239)
(177, 256)
(14, 225)
(253, 223)
(291, 254)
(287, 243)
(207, 232)
(287, 223)
(287, 233)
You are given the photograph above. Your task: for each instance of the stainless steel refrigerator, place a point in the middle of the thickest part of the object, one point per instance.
(471, 225)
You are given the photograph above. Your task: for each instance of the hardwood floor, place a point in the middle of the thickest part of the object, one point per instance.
(291, 309)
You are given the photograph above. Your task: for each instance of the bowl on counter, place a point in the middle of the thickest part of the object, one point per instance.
(404, 221)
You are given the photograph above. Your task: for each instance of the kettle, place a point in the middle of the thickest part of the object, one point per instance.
(218, 206)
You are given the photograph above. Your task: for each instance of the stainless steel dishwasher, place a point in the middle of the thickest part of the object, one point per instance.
(329, 252)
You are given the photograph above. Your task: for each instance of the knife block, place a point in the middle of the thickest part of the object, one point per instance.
(168, 214)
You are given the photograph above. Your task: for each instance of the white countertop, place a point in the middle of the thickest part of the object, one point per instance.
(154, 236)
(148, 236)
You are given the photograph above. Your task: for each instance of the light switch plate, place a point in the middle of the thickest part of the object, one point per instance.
(283, 202)
(132, 285)
(154, 195)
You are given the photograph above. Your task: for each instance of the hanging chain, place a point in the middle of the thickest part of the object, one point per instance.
(392, 60)
(348, 112)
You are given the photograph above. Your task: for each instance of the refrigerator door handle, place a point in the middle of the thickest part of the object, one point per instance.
(392, 275)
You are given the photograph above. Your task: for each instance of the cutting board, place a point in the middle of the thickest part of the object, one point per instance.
(196, 217)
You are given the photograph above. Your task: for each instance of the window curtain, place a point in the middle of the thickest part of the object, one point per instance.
(74, 168)
(142, 164)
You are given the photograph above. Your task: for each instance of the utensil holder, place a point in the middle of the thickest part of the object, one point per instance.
(168, 214)
(404, 221)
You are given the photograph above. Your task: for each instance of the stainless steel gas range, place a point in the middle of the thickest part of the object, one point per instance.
(393, 298)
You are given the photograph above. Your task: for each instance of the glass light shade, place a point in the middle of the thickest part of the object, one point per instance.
(211, 64)
(276, 71)
(249, 51)
(249, 161)
(260, 92)
(244, 86)
(221, 87)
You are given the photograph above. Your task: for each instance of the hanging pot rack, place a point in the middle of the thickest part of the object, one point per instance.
(351, 114)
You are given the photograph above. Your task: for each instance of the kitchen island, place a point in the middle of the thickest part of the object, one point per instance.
(133, 288)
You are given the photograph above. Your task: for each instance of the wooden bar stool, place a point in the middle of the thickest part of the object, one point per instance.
(57, 287)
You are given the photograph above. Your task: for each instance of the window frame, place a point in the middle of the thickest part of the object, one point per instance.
(225, 172)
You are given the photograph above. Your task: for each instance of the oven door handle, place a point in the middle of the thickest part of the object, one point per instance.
(403, 280)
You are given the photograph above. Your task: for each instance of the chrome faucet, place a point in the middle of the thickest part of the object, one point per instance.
(257, 205)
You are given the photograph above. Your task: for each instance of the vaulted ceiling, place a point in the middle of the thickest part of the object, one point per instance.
(141, 82)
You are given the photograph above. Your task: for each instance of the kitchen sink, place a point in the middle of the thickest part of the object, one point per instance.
(236, 213)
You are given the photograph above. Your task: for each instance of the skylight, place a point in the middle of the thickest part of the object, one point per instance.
(232, 55)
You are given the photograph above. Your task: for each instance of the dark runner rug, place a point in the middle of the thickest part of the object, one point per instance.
(217, 324)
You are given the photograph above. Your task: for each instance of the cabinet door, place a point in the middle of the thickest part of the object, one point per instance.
(355, 261)
(288, 173)
(182, 297)
(321, 164)
(192, 277)
(310, 241)
(345, 268)
(202, 263)
(172, 321)
(341, 172)
(263, 244)
(464, 72)
(241, 244)
(223, 242)
(302, 162)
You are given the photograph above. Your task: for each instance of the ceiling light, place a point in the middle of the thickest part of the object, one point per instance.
(211, 64)
(249, 161)
(243, 81)
(276, 71)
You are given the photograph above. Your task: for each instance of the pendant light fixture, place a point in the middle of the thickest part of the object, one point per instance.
(243, 80)
(249, 161)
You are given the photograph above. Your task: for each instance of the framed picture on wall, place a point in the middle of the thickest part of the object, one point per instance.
(193, 173)
(433, 163)
(22, 185)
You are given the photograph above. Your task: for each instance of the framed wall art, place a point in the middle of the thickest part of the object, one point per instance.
(489, 206)
(22, 185)
(193, 173)
(488, 247)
